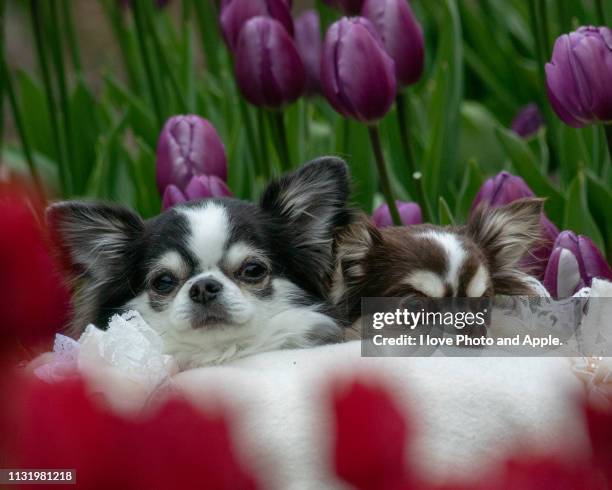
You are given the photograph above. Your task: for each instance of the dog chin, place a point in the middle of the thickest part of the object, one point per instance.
(299, 327)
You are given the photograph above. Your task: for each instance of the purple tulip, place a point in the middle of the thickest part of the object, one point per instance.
(579, 76)
(574, 263)
(187, 146)
(350, 7)
(172, 196)
(528, 121)
(357, 74)
(308, 41)
(410, 213)
(200, 187)
(505, 188)
(235, 14)
(269, 69)
(401, 34)
(502, 189)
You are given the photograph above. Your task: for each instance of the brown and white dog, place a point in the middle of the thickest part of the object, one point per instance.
(475, 260)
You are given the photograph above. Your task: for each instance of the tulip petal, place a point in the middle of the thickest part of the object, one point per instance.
(401, 34)
(172, 196)
(357, 74)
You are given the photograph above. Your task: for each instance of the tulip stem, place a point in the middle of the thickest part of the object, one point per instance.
(146, 61)
(7, 83)
(57, 51)
(383, 176)
(416, 180)
(163, 59)
(601, 16)
(71, 36)
(282, 146)
(608, 131)
(37, 28)
(126, 47)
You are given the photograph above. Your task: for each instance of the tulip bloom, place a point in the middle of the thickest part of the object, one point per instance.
(574, 263)
(187, 146)
(358, 79)
(34, 304)
(579, 76)
(350, 7)
(174, 445)
(308, 41)
(235, 13)
(410, 214)
(401, 34)
(374, 455)
(357, 74)
(528, 121)
(199, 187)
(269, 69)
(505, 188)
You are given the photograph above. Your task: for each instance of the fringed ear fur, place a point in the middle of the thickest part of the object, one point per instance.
(96, 244)
(308, 207)
(353, 245)
(505, 234)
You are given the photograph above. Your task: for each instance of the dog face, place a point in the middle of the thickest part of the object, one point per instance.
(217, 276)
(476, 260)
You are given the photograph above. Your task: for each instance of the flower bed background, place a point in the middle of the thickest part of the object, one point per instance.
(424, 100)
(459, 93)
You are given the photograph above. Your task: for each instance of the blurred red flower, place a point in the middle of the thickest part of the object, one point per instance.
(370, 437)
(599, 425)
(34, 301)
(176, 446)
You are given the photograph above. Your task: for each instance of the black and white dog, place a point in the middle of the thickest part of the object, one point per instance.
(218, 279)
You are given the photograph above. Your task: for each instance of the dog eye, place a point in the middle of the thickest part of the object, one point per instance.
(253, 271)
(164, 283)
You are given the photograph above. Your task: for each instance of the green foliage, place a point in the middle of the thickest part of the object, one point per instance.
(482, 66)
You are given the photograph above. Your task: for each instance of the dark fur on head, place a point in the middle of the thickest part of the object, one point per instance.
(403, 261)
(112, 255)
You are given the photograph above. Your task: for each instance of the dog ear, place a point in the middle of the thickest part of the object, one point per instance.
(353, 245)
(505, 234)
(95, 241)
(308, 206)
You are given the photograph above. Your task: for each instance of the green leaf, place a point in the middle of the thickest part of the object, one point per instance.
(101, 181)
(357, 152)
(478, 140)
(526, 165)
(573, 152)
(600, 203)
(142, 171)
(142, 120)
(441, 153)
(472, 181)
(85, 129)
(446, 216)
(578, 217)
(36, 116)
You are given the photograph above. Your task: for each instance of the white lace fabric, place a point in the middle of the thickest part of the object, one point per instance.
(129, 350)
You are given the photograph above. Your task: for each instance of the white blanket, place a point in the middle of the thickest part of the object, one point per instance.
(467, 412)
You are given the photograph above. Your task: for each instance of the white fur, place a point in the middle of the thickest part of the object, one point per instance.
(455, 255)
(238, 252)
(258, 325)
(427, 282)
(478, 284)
(210, 232)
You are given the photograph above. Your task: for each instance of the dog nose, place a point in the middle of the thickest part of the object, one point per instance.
(205, 290)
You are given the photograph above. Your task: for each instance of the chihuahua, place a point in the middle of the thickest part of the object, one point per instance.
(218, 279)
(471, 261)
